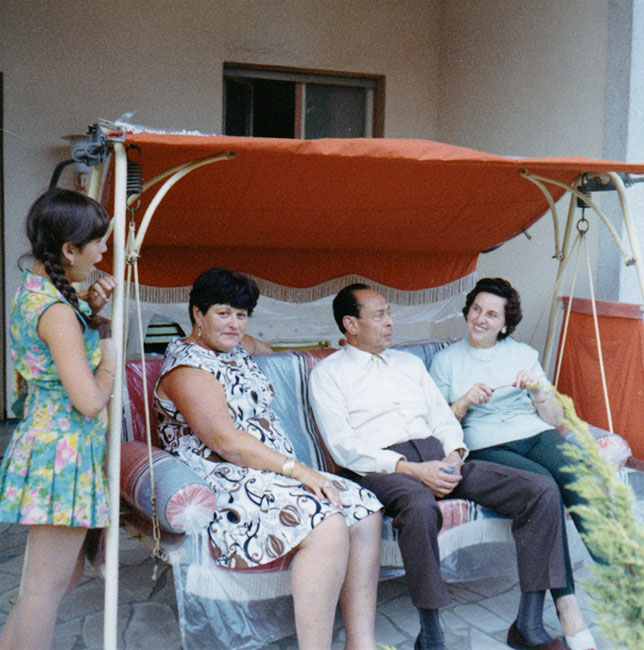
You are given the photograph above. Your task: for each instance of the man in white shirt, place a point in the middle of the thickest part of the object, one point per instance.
(385, 421)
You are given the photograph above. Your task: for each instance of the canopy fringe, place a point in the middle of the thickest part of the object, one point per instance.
(165, 295)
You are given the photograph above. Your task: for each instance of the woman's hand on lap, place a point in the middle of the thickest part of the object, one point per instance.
(321, 485)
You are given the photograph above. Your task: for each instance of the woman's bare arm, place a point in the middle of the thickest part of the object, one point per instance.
(201, 400)
(255, 346)
(549, 409)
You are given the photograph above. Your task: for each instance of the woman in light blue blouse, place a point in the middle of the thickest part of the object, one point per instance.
(499, 392)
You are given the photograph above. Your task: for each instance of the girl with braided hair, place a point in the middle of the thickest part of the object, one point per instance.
(51, 477)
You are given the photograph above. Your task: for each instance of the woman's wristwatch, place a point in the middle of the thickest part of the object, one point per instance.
(288, 466)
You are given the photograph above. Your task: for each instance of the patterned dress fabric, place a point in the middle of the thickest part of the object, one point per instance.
(260, 516)
(52, 471)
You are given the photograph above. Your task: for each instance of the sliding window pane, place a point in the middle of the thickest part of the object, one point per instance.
(334, 111)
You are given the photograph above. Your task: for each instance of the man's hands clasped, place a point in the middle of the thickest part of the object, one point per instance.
(440, 476)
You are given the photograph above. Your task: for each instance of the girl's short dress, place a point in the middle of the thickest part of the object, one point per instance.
(52, 471)
(260, 516)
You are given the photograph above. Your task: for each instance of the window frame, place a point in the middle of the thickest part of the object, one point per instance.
(375, 109)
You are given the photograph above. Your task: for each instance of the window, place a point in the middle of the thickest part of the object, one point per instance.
(266, 101)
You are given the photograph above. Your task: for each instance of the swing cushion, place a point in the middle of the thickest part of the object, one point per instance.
(613, 447)
(134, 402)
(184, 501)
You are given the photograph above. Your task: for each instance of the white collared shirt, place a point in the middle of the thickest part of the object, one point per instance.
(366, 402)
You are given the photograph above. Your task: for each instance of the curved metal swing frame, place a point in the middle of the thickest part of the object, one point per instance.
(563, 250)
(127, 252)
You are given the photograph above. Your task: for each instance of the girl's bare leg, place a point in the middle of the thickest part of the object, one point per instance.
(360, 588)
(51, 568)
(317, 573)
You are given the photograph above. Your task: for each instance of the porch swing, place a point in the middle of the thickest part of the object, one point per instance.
(303, 216)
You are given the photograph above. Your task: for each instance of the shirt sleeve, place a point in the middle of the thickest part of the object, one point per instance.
(344, 444)
(535, 367)
(442, 421)
(439, 372)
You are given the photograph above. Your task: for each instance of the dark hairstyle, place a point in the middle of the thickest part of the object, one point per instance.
(218, 286)
(346, 304)
(503, 289)
(57, 217)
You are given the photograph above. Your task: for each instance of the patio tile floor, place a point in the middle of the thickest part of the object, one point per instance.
(477, 617)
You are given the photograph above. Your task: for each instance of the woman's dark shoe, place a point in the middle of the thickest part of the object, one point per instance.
(515, 640)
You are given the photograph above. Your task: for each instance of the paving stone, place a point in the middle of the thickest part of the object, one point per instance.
(401, 613)
(68, 634)
(477, 618)
(12, 565)
(152, 626)
(390, 589)
(480, 641)
(480, 617)
(86, 599)
(93, 630)
(389, 634)
(452, 623)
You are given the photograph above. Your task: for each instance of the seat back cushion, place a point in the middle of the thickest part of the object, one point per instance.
(133, 398)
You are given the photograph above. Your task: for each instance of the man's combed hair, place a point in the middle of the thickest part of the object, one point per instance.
(219, 286)
(346, 304)
(503, 289)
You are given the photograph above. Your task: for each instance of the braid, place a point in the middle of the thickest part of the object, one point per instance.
(57, 275)
(61, 216)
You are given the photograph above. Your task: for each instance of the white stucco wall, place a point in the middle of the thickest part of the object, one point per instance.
(630, 289)
(68, 63)
(506, 76)
(525, 79)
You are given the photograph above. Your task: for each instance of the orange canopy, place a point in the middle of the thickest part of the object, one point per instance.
(621, 332)
(409, 214)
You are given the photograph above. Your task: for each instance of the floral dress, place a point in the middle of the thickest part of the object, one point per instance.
(260, 516)
(52, 471)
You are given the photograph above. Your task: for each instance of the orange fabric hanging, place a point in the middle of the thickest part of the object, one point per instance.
(621, 330)
(410, 214)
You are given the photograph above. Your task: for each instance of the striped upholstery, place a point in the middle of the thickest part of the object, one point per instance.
(178, 488)
(184, 501)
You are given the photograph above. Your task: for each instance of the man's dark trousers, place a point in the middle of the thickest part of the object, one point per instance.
(531, 500)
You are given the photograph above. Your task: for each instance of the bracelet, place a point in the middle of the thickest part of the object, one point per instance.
(109, 372)
(288, 466)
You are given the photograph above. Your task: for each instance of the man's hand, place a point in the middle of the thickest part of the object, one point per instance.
(454, 458)
(431, 473)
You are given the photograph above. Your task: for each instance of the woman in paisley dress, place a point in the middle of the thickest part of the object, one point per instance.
(214, 409)
(51, 478)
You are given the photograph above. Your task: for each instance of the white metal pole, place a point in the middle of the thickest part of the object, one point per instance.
(116, 403)
(563, 261)
(630, 230)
